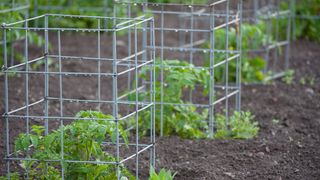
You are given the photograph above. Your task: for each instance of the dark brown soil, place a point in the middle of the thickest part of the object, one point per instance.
(288, 143)
(289, 118)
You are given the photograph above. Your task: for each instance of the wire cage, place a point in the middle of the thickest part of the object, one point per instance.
(267, 33)
(77, 114)
(10, 11)
(197, 65)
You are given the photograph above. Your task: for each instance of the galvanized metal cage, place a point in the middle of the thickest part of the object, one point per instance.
(188, 33)
(51, 102)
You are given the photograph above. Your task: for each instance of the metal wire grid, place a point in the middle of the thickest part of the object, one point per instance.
(189, 51)
(10, 7)
(120, 67)
(277, 52)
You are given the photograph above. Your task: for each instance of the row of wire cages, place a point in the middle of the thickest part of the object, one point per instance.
(198, 57)
(11, 11)
(77, 118)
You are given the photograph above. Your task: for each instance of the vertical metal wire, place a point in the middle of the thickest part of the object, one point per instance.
(191, 42)
(227, 64)
(153, 132)
(239, 59)
(161, 70)
(61, 107)
(129, 49)
(6, 100)
(115, 97)
(151, 90)
(291, 17)
(268, 34)
(35, 11)
(212, 82)
(46, 79)
(255, 8)
(26, 84)
(144, 35)
(137, 96)
(276, 48)
(99, 64)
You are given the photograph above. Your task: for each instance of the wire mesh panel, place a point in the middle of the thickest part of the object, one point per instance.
(78, 119)
(197, 65)
(267, 35)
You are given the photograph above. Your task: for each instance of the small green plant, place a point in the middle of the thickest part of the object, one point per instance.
(275, 121)
(288, 77)
(307, 81)
(162, 175)
(240, 125)
(82, 141)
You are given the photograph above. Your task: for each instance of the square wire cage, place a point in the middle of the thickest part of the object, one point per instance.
(271, 21)
(202, 40)
(79, 81)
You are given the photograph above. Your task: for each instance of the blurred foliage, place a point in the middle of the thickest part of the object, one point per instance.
(9, 15)
(307, 21)
(308, 27)
(254, 37)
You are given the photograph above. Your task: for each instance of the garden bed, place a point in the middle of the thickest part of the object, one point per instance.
(289, 118)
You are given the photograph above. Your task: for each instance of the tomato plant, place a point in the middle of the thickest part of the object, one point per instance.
(162, 175)
(187, 121)
(240, 125)
(82, 141)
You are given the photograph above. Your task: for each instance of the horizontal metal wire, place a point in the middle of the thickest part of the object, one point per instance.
(25, 63)
(204, 50)
(227, 60)
(139, 152)
(186, 13)
(36, 117)
(146, 147)
(59, 160)
(275, 76)
(18, 7)
(278, 44)
(86, 74)
(226, 97)
(24, 107)
(82, 8)
(116, 28)
(161, 4)
(315, 17)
